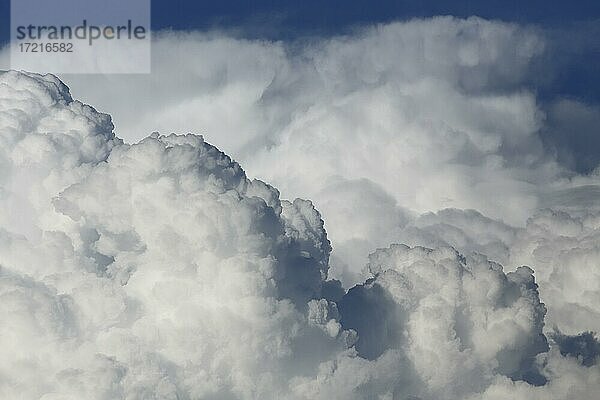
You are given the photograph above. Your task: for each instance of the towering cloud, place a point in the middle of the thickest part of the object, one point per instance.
(375, 127)
(159, 270)
(152, 270)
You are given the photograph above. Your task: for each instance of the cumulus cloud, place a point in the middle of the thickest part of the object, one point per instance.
(154, 267)
(562, 247)
(160, 270)
(154, 270)
(405, 118)
(568, 381)
(565, 249)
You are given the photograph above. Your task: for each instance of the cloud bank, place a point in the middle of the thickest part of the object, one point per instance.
(153, 267)
(160, 270)
(402, 118)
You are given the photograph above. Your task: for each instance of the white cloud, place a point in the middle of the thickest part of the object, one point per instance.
(430, 114)
(563, 249)
(157, 269)
(569, 381)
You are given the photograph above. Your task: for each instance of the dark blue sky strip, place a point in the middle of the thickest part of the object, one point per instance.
(284, 19)
(300, 17)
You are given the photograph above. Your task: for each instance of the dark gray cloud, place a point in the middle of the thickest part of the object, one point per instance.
(584, 346)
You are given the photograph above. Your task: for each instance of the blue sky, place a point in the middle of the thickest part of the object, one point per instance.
(286, 19)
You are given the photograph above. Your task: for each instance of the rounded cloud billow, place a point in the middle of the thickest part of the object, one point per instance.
(158, 270)
(377, 126)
